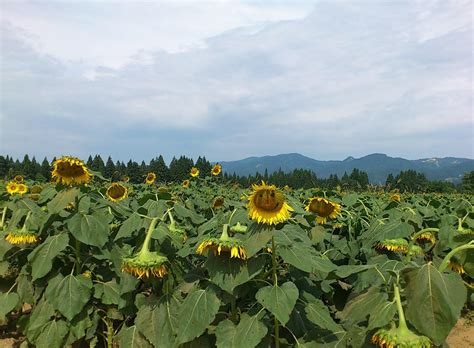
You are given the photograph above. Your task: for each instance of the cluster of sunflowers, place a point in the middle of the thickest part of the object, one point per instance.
(17, 186)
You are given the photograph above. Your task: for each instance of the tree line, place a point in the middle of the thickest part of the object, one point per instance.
(179, 168)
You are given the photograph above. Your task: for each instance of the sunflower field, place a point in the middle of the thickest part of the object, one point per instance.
(85, 262)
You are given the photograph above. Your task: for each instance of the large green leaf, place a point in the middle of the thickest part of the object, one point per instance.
(318, 313)
(303, 257)
(257, 241)
(108, 292)
(8, 302)
(62, 199)
(359, 307)
(130, 337)
(434, 301)
(42, 257)
(40, 315)
(247, 334)
(279, 300)
(133, 223)
(52, 334)
(70, 295)
(382, 314)
(89, 229)
(159, 322)
(197, 312)
(229, 273)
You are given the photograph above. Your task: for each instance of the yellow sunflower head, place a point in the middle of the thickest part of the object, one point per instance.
(397, 337)
(70, 171)
(216, 170)
(456, 266)
(426, 237)
(218, 202)
(186, 183)
(231, 247)
(194, 172)
(117, 192)
(21, 236)
(267, 205)
(150, 178)
(395, 197)
(399, 245)
(145, 265)
(22, 189)
(19, 179)
(12, 187)
(323, 208)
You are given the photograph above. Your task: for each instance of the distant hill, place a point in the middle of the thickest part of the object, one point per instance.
(377, 165)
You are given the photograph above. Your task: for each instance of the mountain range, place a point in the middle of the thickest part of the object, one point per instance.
(378, 166)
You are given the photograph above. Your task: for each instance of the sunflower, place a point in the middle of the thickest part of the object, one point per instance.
(21, 236)
(117, 192)
(12, 187)
(218, 202)
(150, 178)
(426, 237)
(35, 192)
(194, 172)
(145, 265)
(267, 205)
(395, 197)
(230, 246)
(22, 189)
(323, 208)
(456, 267)
(397, 337)
(186, 183)
(19, 179)
(216, 170)
(400, 245)
(70, 171)
(125, 178)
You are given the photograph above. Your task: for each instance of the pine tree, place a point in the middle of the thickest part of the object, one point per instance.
(109, 171)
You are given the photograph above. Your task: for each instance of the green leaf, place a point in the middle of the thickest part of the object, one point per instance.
(89, 229)
(70, 295)
(40, 315)
(8, 301)
(133, 223)
(197, 312)
(358, 308)
(303, 257)
(183, 212)
(229, 273)
(159, 322)
(279, 300)
(257, 241)
(62, 199)
(52, 335)
(345, 271)
(247, 334)
(108, 292)
(434, 301)
(382, 314)
(42, 257)
(319, 314)
(130, 337)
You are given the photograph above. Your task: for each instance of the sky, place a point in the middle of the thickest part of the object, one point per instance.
(231, 79)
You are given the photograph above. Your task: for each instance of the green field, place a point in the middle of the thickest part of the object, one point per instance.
(170, 266)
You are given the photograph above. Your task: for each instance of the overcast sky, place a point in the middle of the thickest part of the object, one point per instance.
(231, 79)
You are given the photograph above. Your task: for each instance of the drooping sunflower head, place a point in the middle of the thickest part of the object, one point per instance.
(145, 265)
(216, 170)
(150, 178)
(186, 183)
(232, 247)
(117, 192)
(426, 237)
(323, 208)
(395, 197)
(456, 266)
(267, 205)
(395, 337)
(414, 250)
(22, 189)
(399, 245)
(125, 178)
(21, 236)
(194, 172)
(70, 171)
(35, 192)
(218, 202)
(12, 187)
(19, 179)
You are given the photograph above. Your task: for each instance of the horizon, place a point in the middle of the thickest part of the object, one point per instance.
(235, 79)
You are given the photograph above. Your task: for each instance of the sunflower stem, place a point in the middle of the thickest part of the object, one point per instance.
(275, 283)
(146, 244)
(224, 235)
(77, 250)
(448, 257)
(402, 324)
(4, 214)
(419, 233)
(233, 310)
(110, 333)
